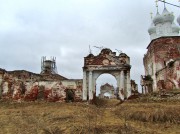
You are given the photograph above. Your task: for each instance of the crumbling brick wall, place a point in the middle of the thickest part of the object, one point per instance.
(169, 76)
(28, 86)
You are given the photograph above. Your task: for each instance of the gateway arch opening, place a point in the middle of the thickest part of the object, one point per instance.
(106, 86)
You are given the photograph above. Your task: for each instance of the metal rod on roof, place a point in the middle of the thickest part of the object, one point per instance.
(90, 51)
(157, 6)
(99, 47)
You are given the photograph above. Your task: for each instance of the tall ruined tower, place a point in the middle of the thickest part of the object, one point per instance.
(162, 60)
(48, 66)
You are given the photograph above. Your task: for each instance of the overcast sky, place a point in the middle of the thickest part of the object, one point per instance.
(30, 29)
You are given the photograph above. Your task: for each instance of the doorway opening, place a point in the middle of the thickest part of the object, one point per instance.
(70, 95)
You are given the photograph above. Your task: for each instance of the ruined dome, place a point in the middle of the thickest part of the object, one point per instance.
(158, 19)
(167, 16)
(178, 20)
(152, 29)
(175, 28)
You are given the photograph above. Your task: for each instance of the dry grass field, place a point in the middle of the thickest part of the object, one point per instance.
(140, 116)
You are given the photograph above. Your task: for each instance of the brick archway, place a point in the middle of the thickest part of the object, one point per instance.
(106, 62)
(107, 88)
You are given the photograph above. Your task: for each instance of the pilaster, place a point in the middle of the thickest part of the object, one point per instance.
(128, 85)
(90, 86)
(121, 87)
(84, 85)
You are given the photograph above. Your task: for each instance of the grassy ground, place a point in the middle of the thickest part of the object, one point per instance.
(107, 117)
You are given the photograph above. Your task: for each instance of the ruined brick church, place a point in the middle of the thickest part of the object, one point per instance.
(162, 60)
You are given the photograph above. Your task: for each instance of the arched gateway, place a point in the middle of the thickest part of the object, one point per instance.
(106, 62)
(109, 89)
